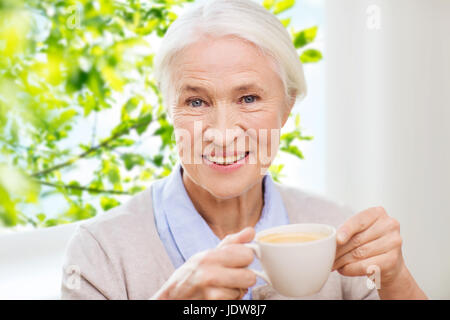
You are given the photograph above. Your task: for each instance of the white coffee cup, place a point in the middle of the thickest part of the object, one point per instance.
(296, 269)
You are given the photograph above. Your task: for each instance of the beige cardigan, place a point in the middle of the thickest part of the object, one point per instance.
(119, 255)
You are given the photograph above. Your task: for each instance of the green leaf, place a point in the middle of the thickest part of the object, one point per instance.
(304, 37)
(8, 211)
(121, 142)
(132, 104)
(294, 150)
(96, 84)
(158, 160)
(268, 4)
(286, 22)
(297, 120)
(131, 160)
(283, 5)
(165, 132)
(75, 192)
(122, 128)
(77, 212)
(96, 185)
(129, 107)
(143, 123)
(136, 189)
(51, 222)
(108, 203)
(310, 56)
(63, 118)
(114, 175)
(76, 80)
(146, 174)
(275, 172)
(88, 103)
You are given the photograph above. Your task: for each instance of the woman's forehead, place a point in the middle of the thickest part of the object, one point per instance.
(222, 55)
(235, 80)
(225, 65)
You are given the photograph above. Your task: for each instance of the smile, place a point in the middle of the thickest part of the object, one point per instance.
(227, 160)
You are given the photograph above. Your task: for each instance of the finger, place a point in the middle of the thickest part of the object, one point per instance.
(233, 278)
(233, 256)
(245, 235)
(377, 230)
(368, 250)
(362, 268)
(222, 294)
(358, 223)
(243, 292)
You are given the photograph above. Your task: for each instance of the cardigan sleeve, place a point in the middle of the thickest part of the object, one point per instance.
(88, 272)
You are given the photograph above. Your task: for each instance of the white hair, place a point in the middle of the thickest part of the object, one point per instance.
(244, 19)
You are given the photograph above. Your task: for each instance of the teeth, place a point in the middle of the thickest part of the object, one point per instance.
(225, 160)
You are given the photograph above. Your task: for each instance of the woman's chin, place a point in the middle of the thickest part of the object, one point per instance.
(228, 187)
(224, 185)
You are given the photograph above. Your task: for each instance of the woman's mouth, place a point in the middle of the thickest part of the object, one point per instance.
(228, 160)
(226, 164)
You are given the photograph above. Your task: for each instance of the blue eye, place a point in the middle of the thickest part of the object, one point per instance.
(195, 103)
(249, 99)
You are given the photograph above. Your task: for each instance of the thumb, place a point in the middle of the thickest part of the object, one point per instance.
(245, 235)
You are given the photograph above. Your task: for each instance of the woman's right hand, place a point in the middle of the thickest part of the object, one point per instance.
(219, 273)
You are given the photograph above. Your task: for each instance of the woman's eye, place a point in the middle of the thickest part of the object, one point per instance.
(249, 99)
(195, 102)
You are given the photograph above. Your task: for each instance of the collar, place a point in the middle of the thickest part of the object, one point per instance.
(186, 224)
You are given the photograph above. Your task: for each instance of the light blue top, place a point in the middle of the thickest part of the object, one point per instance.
(183, 230)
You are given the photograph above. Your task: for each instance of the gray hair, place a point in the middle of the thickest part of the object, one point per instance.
(244, 19)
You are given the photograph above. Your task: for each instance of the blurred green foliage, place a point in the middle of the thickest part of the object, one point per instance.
(64, 63)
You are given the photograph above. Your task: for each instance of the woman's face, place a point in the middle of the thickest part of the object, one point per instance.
(229, 107)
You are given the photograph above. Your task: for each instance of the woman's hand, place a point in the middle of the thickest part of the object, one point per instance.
(219, 273)
(370, 238)
(370, 242)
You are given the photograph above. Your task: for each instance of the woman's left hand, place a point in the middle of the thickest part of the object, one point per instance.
(370, 242)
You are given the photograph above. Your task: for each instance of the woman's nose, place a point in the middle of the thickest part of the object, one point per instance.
(223, 127)
(223, 137)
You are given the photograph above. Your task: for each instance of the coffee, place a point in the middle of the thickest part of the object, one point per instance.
(296, 258)
(292, 237)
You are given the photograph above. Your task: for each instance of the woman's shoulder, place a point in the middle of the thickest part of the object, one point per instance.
(132, 217)
(308, 206)
(119, 253)
(137, 205)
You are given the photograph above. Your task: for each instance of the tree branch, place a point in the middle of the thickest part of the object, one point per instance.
(55, 185)
(84, 154)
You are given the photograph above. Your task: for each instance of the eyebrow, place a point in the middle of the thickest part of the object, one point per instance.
(239, 88)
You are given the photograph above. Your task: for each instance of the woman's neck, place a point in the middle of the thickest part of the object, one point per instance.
(226, 216)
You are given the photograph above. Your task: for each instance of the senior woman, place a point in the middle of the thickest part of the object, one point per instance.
(229, 75)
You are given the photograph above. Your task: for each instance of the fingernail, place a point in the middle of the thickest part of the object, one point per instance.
(342, 236)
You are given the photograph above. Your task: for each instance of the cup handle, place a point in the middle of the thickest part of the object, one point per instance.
(257, 253)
